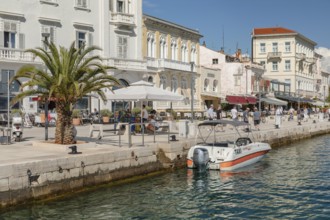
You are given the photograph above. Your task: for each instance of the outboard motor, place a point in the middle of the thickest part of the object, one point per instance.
(201, 158)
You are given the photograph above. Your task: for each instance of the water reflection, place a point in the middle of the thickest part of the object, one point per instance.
(291, 182)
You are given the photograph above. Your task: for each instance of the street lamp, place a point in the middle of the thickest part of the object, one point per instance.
(246, 86)
(192, 90)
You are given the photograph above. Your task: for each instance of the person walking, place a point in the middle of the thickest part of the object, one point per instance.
(256, 118)
(246, 118)
(219, 113)
(278, 114)
(210, 112)
(234, 113)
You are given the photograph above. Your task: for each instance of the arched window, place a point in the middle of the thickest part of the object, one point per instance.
(215, 85)
(174, 84)
(163, 48)
(206, 84)
(184, 52)
(163, 82)
(174, 48)
(151, 45)
(193, 53)
(150, 79)
(184, 86)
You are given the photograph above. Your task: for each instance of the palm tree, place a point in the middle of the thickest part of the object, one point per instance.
(70, 74)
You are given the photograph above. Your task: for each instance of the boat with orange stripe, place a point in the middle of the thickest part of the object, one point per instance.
(222, 154)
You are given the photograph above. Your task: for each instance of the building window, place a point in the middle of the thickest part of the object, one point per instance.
(81, 39)
(120, 6)
(184, 52)
(215, 85)
(184, 86)
(81, 4)
(174, 48)
(275, 66)
(47, 35)
(174, 86)
(287, 47)
(163, 48)
(215, 61)
(163, 82)
(275, 47)
(9, 34)
(193, 52)
(206, 84)
(287, 65)
(262, 48)
(151, 45)
(122, 47)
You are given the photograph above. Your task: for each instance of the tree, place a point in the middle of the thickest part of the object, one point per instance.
(70, 74)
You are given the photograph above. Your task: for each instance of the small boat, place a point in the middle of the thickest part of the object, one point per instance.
(223, 154)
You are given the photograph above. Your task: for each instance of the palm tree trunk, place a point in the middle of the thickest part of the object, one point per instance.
(64, 127)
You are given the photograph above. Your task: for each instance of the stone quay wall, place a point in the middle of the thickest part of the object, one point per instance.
(39, 179)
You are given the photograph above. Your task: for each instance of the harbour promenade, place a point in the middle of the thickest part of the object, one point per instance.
(31, 171)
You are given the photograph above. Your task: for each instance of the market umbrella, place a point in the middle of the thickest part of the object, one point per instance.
(143, 91)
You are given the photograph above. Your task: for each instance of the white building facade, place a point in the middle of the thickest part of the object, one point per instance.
(288, 58)
(113, 25)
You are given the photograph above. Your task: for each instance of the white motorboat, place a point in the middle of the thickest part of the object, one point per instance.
(223, 154)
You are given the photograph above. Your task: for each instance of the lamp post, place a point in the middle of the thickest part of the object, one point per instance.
(298, 95)
(192, 84)
(324, 96)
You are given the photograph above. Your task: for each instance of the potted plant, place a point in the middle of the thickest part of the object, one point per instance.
(105, 114)
(76, 117)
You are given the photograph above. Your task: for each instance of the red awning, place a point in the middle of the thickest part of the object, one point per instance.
(251, 100)
(231, 99)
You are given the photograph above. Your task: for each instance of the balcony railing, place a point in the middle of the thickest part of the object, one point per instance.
(300, 56)
(16, 55)
(169, 64)
(122, 19)
(127, 64)
(274, 55)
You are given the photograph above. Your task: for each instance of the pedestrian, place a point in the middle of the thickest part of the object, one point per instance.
(256, 118)
(210, 112)
(145, 114)
(219, 113)
(278, 114)
(246, 118)
(234, 113)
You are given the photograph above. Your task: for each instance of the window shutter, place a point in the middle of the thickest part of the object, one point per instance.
(52, 34)
(2, 40)
(21, 41)
(90, 39)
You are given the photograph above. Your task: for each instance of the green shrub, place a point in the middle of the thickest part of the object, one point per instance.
(76, 113)
(106, 113)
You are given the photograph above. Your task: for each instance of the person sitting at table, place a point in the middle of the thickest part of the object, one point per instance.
(153, 124)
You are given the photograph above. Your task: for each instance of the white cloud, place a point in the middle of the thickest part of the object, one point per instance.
(325, 62)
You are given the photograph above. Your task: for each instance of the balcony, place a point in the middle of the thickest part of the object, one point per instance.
(274, 55)
(127, 64)
(301, 56)
(310, 60)
(17, 56)
(161, 64)
(122, 19)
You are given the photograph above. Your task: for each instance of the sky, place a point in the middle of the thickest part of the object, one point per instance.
(229, 23)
